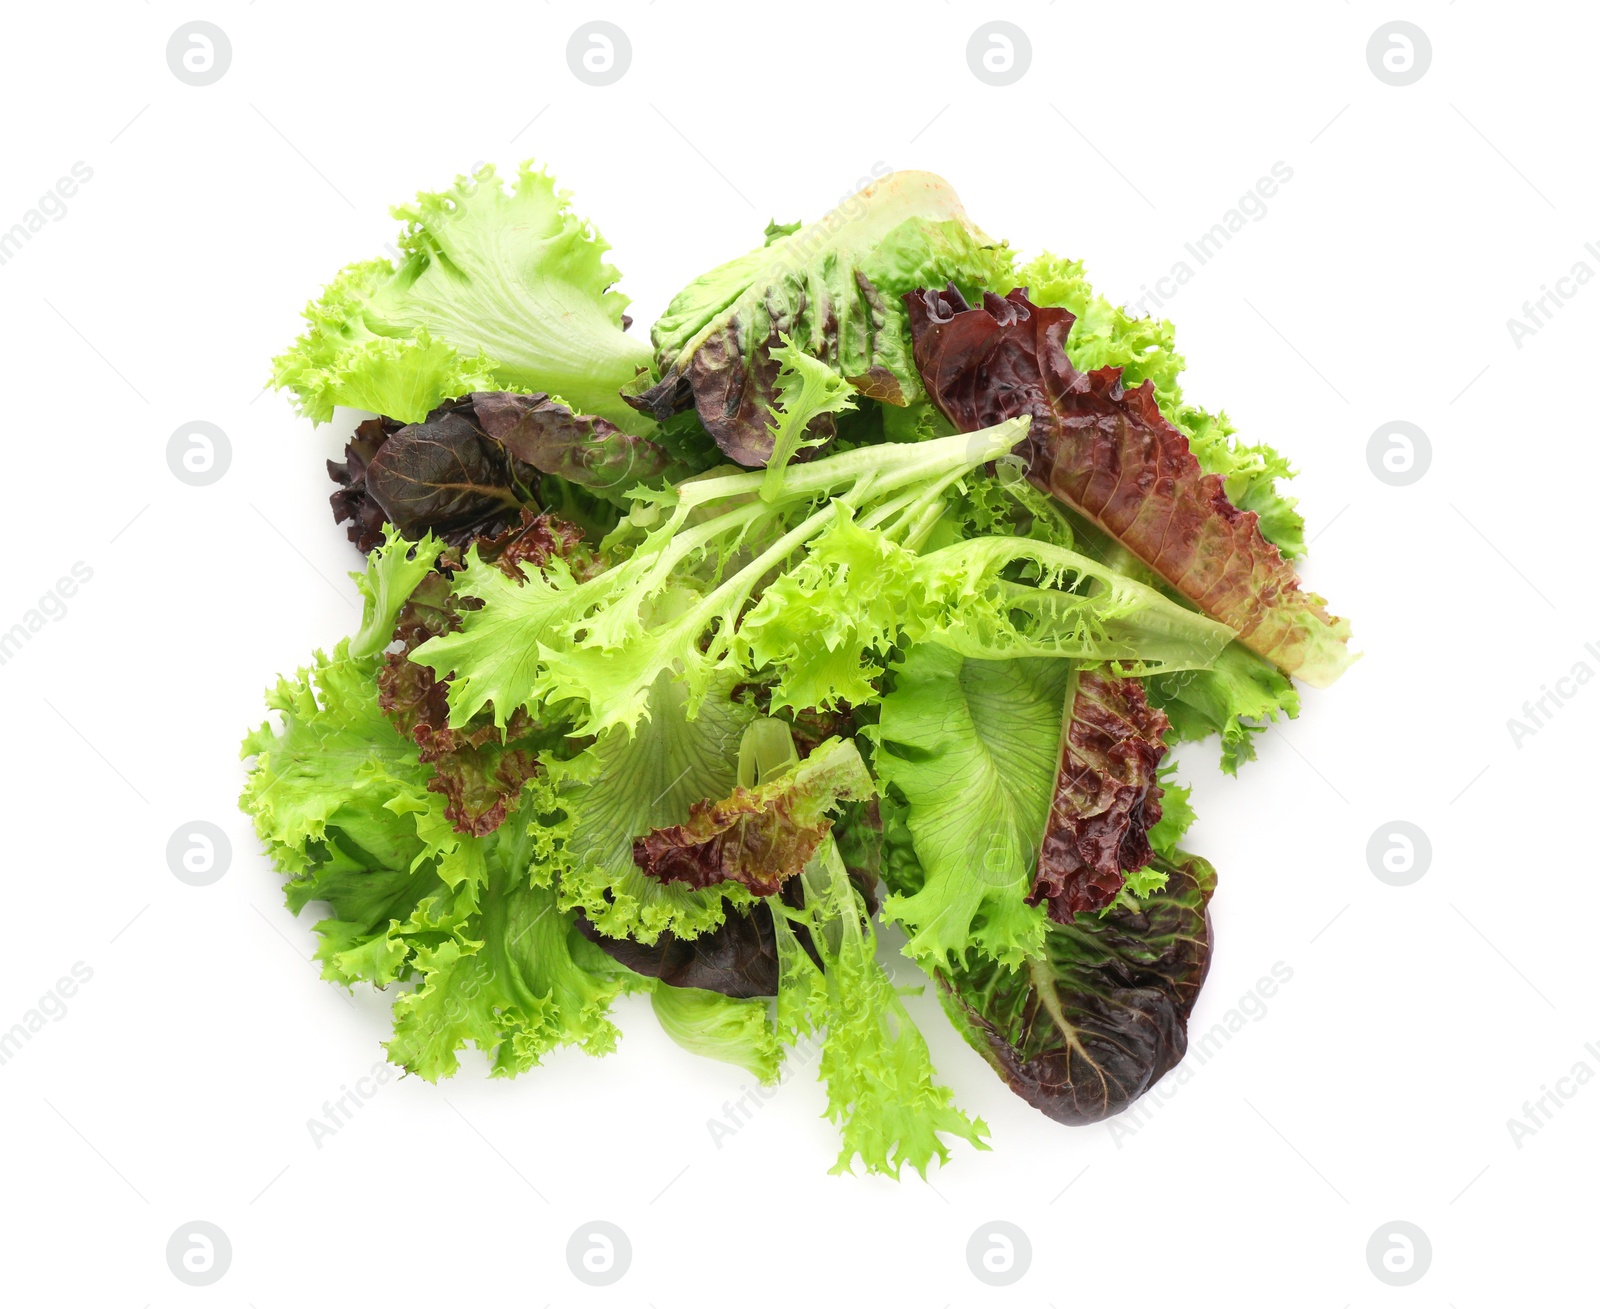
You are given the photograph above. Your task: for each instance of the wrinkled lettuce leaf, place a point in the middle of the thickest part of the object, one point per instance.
(341, 804)
(1110, 454)
(971, 746)
(1099, 1014)
(1106, 796)
(495, 288)
(1234, 699)
(1104, 335)
(832, 288)
(598, 803)
(760, 836)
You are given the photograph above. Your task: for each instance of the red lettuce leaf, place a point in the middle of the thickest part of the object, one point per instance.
(584, 450)
(1084, 1030)
(758, 836)
(1106, 796)
(1108, 452)
(468, 470)
(478, 771)
(739, 957)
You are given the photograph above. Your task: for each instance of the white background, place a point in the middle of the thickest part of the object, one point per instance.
(1379, 1082)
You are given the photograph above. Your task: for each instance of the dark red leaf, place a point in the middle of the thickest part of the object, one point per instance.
(1109, 454)
(1106, 796)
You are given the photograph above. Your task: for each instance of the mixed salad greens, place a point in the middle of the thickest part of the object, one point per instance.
(874, 591)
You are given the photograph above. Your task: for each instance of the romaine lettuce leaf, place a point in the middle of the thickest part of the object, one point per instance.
(1100, 1014)
(971, 745)
(1110, 454)
(831, 287)
(760, 836)
(495, 289)
(1104, 335)
(1106, 797)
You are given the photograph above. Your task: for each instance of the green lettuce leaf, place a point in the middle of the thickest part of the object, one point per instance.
(341, 803)
(495, 289)
(733, 1030)
(805, 391)
(825, 625)
(972, 747)
(1234, 699)
(875, 1062)
(831, 287)
(604, 642)
(598, 803)
(516, 979)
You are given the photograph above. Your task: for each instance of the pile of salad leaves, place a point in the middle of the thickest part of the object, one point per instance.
(871, 596)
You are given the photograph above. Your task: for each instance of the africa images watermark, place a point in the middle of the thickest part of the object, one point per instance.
(1539, 312)
(1540, 711)
(1251, 207)
(51, 207)
(340, 1111)
(741, 1112)
(51, 606)
(52, 1006)
(1539, 1113)
(1251, 1008)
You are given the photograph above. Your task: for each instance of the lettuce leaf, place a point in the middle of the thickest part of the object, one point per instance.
(598, 803)
(1101, 1013)
(832, 288)
(805, 393)
(875, 1062)
(495, 289)
(735, 1031)
(1110, 454)
(602, 643)
(1234, 699)
(347, 807)
(758, 837)
(1104, 335)
(341, 803)
(1106, 795)
(824, 626)
(971, 745)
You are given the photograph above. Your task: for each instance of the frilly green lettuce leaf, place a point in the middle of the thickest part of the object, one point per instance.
(1235, 699)
(341, 803)
(517, 980)
(599, 802)
(603, 643)
(972, 747)
(393, 572)
(824, 626)
(875, 1062)
(495, 289)
(804, 390)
